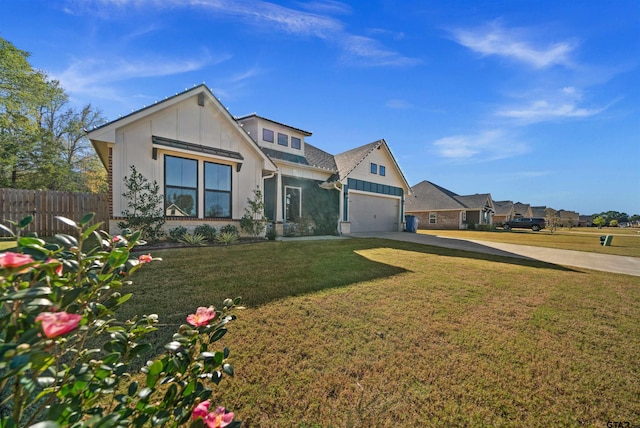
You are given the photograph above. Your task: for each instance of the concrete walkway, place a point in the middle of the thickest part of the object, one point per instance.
(603, 262)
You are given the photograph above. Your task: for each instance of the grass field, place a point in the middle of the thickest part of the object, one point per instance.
(626, 242)
(368, 332)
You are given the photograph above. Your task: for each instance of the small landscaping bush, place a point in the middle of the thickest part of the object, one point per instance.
(177, 233)
(206, 230)
(144, 206)
(230, 228)
(193, 239)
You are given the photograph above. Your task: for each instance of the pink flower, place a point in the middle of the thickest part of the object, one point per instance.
(201, 410)
(145, 258)
(218, 418)
(11, 260)
(202, 316)
(55, 324)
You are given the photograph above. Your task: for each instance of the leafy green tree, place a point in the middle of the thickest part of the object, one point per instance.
(22, 91)
(600, 221)
(254, 221)
(144, 206)
(43, 142)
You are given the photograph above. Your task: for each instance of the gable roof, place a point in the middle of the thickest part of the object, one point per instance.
(347, 161)
(522, 209)
(503, 207)
(106, 132)
(430, 196)
(257, 116)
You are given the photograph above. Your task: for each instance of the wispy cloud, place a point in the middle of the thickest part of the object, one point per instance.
(92, 76)
(515, 44)
(565, 103)
(316, 20)
(481, 147)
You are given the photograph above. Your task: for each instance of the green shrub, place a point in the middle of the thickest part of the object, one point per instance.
(144, 206)
(193, 239)
(272, 234)
(177, 233)
(56, 298)
(230, 228)
(206, 230)
(226, 238)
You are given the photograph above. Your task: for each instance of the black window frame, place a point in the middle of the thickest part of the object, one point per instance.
(286, 137)
(373, 168)
(217, 191)
(172, 186)
(298, 142)
(382, 170)
(265, 132)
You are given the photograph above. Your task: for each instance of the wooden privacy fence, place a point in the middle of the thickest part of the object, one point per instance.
(45, 205)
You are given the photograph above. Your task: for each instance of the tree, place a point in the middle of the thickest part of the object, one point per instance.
(22, 91)
(600, 221)
(43, 142)
(552, 219)
(144, 206)
(253, 221)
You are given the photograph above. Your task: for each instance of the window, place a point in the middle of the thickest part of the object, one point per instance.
(432, 218)
(296, 143)
(217, 190)
(267, 135)
(374, 168)
(180, 186)
(293, 203)
(283, 139)
(383, 171)
(464, 216)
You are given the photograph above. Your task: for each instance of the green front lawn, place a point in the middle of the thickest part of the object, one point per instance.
(626, 242)
(369, 332)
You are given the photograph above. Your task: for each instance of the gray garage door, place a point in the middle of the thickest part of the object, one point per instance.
(368, 213)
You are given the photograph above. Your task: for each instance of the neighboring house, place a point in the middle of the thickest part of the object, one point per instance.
(569, 218)
(585, 221)
(539, 211)
(438, 208)
(522, 210)
(209, 163)
(504, 211)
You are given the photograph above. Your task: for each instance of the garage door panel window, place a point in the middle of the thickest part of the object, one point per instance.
(217, 190)
(181, 186)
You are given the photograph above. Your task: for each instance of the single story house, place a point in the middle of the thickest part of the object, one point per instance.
(209, 163)
(521, 209)
(438, 208)
(504, 212)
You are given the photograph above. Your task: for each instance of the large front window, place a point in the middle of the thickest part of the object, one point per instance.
(180, 186)
(217, 190)
(293, 203)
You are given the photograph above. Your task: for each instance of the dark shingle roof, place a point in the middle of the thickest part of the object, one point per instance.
(313, 157)
(503, 207)
(430, 196)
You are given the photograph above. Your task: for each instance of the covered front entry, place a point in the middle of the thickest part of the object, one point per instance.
(373, 213)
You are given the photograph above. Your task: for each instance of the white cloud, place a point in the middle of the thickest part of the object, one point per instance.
(541, 110)
(564, 103)
(514, 44)
(93, 75)
(357, 50)
(485, 146)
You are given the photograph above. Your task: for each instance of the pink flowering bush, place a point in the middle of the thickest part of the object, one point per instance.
(65, 358)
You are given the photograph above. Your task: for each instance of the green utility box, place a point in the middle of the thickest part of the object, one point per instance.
(605, 240)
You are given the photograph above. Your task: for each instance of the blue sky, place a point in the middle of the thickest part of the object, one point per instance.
(531, 101)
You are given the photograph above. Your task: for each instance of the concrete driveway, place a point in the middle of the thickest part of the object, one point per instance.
(603, 262)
